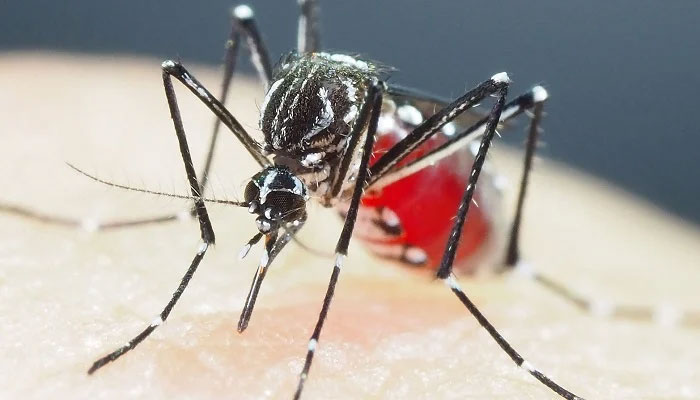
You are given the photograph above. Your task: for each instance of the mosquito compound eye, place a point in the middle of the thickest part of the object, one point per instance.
(283, 205)
(251, 192)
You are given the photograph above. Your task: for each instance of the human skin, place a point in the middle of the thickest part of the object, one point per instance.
(68, 296)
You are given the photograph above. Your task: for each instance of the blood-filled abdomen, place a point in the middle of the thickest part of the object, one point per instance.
(410, 220)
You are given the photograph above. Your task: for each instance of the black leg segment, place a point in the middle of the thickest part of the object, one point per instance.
(513, 250)
(375, 99)
(308, 32)
(433, 124)
(207, 232)
(445, 270)
(243, 24)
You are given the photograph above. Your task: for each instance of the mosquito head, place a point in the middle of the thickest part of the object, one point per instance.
(277, 197)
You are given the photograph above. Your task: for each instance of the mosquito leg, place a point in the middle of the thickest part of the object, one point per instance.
(207, 232)
(131, 344)
(341, 250)
(513, 250)
(176, 70)
(308, 33)
(243, 24)
(445, 270)
(433, 124)
(458, 141)
(662, 315)
(531, 101)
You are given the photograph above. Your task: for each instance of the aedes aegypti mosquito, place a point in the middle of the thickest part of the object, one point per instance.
(334, 128)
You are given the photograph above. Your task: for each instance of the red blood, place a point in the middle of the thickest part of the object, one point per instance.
(426, 203)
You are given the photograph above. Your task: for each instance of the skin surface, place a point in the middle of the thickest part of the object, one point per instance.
(68, 296)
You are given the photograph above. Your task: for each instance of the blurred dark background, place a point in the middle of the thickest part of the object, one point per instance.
(623, 75)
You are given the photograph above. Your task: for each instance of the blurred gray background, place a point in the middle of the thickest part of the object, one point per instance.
(623, 75)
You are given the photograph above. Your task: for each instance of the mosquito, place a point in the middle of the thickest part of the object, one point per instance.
(335, 129)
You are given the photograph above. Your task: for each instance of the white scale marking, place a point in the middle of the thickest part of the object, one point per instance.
(339, 260)
(666, 315)
(452, 283)
(265, 189)
(309, 78)
(202, 248)
(352, 98)
(415, 255)
(327, 116)
(501, 77)
(264, 259)
(386, 123)
(269, 94)
(410, 114)
(243, 12)
(264, 226)
(270, 178)
(508, 112)
(275, 122)
(601, 308)
(90, 225)
(539, 94)
(527, 366)
(157, 321)
(188, 80)
(347, 60)
(312, 159)
(351, 89)
(390, 218)
(449, 129)
(312, 345)
(351, 115)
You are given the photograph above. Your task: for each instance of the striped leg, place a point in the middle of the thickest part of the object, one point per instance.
(445, 270)
(341, 249)
(432, 125)
(460, 140)
(206, 230)
(243, 24)
(513, 249)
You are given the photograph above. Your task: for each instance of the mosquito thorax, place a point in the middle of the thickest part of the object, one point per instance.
(277, 197)
(309, 112)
